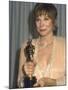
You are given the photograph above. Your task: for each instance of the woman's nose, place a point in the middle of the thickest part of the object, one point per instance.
(41, 23)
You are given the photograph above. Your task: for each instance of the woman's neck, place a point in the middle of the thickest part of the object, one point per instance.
(46, 39)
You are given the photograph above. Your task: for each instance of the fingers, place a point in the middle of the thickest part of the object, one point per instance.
(41, 82)
(36, 85)
(29, 68)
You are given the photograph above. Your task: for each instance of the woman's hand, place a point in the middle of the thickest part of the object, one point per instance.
(29, 68)
(45, 82)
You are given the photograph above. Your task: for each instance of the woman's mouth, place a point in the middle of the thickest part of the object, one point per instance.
(42, 30)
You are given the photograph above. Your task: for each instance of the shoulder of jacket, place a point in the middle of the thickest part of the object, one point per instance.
(60, 39)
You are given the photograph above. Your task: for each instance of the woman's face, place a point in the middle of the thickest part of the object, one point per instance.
(44, 25)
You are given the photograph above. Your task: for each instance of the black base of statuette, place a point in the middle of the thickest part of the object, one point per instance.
(28, 83)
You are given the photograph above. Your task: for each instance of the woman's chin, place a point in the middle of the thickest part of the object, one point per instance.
(46, 33)
(43, 34)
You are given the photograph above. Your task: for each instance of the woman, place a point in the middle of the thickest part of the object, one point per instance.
(49, 56)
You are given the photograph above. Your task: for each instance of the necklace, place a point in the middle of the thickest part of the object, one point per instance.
(45, 44)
